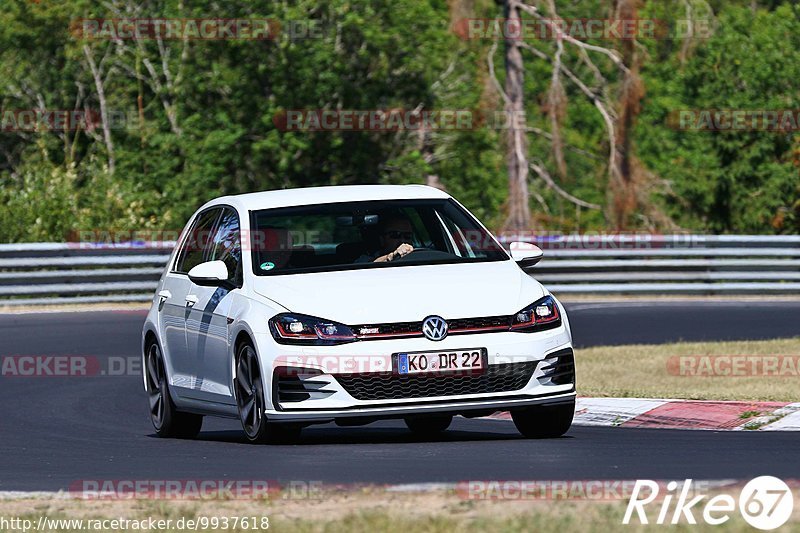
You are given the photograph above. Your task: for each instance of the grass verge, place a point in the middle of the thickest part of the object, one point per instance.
(685, 371)
(367, 511)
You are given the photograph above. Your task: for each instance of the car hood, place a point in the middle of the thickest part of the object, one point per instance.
(407, 293)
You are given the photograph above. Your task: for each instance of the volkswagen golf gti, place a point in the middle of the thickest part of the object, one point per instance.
(351, 304)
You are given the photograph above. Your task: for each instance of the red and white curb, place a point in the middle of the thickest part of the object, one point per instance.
(684, 414)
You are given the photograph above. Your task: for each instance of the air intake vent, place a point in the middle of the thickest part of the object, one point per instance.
(293, 384)
(559, 367)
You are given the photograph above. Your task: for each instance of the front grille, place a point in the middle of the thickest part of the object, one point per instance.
(389, 329)
(488, 322)
(561, 367)
(497, 378)
(414, 329)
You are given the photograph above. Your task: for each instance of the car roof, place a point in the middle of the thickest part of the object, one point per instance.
(327, 195)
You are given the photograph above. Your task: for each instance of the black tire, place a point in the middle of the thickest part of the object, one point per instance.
(544, 422)
(165, 417)
(250, 399)
(429, 426)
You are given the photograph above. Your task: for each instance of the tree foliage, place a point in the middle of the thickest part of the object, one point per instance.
(196, 119)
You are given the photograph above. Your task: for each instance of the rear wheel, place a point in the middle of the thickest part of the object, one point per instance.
(429, 425)
(545, 421)
(251, 402)
(166, 419)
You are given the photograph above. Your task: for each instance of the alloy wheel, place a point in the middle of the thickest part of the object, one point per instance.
(249, 391)
(156, 385)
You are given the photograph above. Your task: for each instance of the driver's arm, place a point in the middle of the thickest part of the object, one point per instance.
(403, 249)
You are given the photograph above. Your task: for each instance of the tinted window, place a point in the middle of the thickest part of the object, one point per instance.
(226, 245)
(195, 248)
(353, 235)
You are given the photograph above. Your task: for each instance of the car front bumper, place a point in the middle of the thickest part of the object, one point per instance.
(439, 406)
(336, 361)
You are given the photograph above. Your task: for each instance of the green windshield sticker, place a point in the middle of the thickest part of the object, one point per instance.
(267, 265)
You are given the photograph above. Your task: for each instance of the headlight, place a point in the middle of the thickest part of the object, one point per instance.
(540, 315)
(294, 328)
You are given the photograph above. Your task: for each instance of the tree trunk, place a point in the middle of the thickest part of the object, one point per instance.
(625, 197)
(101, 97)
(519, 213)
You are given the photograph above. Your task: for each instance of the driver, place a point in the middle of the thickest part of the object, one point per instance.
(394, 235)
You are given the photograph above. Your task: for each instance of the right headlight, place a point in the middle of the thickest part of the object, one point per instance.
(540, 315)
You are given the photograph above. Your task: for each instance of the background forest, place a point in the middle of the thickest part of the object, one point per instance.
(196, 118)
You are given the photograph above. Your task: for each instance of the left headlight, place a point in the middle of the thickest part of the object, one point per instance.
(294, 328)
(540, 315)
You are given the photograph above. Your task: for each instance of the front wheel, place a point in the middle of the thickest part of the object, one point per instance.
(166, 419)
(545, 421)
(250, 400)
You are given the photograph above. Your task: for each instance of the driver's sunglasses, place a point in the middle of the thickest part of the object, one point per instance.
(394, 234)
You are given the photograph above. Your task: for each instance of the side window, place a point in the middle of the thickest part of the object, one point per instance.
(194, 248)
(226, 245)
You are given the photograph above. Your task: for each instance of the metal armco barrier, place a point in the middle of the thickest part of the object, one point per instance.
(654, 264)
(55, 273)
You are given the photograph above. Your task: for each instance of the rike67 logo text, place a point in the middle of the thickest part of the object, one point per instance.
(765, 503)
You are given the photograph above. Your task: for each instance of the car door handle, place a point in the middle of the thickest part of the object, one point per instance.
(191, 299)
(164, 295)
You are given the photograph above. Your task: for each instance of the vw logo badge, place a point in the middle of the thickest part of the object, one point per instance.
(435, 328)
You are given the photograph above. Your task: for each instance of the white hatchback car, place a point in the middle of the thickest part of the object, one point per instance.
(352, 304)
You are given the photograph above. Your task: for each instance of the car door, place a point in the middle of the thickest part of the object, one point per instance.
(174, 296)
(207, 321)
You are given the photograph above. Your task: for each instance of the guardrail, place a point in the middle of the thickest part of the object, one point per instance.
(668, 264)
(55, 273)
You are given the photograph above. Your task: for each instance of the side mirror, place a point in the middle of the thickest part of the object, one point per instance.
(525, 254)
(209, 274)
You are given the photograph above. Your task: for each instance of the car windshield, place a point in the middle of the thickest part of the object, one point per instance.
(375, 234)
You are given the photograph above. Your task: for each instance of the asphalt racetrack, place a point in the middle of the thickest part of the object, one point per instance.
(58, 431)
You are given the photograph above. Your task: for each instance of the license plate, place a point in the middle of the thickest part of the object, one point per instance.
(461, 361)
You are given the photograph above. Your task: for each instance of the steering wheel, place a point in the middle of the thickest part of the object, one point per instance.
(424, 254)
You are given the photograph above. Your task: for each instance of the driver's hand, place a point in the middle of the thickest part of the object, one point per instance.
(403, 249)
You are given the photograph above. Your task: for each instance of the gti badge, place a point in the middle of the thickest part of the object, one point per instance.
(435, 328)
